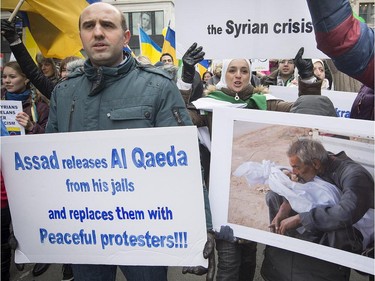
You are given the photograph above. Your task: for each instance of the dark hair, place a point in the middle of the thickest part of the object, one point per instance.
(206, 73)
(166, 54)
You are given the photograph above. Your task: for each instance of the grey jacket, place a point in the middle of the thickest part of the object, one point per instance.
(315, 105)
(310, 100)
(128, 96)
(357, 187)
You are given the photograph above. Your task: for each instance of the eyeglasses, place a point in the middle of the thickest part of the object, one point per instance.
(286, 62)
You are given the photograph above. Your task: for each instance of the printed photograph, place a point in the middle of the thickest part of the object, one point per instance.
(268, 168)
(255, 148)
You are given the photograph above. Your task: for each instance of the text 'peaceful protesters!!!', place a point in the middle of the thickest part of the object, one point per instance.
(175, 240)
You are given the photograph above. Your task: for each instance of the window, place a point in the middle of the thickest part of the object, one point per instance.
(152, 22)
(366, 11)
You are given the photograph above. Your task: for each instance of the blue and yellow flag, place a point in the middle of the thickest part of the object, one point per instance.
(129, 51)
(169, 44)
(148, 47)
(203, 66)
(53, 24)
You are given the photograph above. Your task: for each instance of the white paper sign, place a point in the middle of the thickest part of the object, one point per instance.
(125, 197)
(260, 65)
(8, 111)
(342, 101)
(246, 28)
(243, 135)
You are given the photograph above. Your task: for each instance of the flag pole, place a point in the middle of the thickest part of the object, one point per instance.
(14, 13)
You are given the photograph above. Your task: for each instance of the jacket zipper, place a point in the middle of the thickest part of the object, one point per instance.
(71, 115)
(177, 116)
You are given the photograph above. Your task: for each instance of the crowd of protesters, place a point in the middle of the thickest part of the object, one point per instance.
(227, 81)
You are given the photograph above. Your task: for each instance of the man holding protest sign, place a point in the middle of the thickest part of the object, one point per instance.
(115, 92)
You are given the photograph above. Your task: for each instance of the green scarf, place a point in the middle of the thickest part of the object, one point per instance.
(255, 101)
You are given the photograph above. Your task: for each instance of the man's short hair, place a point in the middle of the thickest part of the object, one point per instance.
(308, 150)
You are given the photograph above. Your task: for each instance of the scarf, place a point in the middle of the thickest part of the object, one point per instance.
(19, 97)
(253, 101)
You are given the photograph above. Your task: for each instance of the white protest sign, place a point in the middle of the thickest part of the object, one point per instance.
(246, 28)
(243, 135)
(125, 197)
(342, 101)
(260, 65)
(8, 111)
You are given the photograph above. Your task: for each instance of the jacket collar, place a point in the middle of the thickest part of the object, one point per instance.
(99, 76)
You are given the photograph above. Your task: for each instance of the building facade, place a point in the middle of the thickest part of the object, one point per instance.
(152, 15)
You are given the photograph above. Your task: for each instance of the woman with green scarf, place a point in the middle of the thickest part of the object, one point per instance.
(236, 257)
(235, 85)
(233, 90)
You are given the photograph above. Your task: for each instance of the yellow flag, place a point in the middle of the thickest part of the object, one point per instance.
(30, 44)
(53, 24)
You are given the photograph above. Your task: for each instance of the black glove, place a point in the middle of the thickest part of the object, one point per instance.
(13, 243)
(226, 233)
(208, 253)
(8, 30)
(192, 56)
(305, 66)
